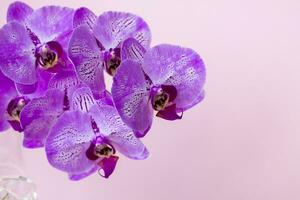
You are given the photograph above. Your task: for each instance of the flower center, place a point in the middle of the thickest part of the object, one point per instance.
(113, 61)
(104, 150)
(160, 100)
(15, 107)
(46, 57)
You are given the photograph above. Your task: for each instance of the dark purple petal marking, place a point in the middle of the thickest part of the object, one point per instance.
(108, 166)
(131, 95)
(18, 11)
(133, 50)
(17, 60)
(112, 28)
(84, 16)
(86, 56)
(170, 113)
(181, 67)
(34, 38)
(82, 99)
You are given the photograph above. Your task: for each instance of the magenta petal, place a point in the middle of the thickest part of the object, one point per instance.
(140, 134)
(181, 67)
(7, 93)
(39, 88)
(39, 115)
(118, 134)
(108, 165)
(50, 22)
(67, 143)
(131, 96)
(26, 89)
(133, 50)
(105, 99)
(64, 80)
(170, 113)
(82, 174)
(86, 56)
(18, 11)
(84, 16)
(112, 28)
(17, 60)
(43, 81)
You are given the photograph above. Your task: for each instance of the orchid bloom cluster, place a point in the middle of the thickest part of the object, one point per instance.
(52, 65)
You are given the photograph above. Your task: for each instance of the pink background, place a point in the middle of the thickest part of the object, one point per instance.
(243, 141)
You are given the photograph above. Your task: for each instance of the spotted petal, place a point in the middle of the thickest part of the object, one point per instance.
(39, 115)
(112, 28)
(86, 56)
(67, 143)
(84, 16)
(51, 22)
(130, 92)
(180, 67)
(118, 133)
(18, 11)
(17, 60)
(132, 49)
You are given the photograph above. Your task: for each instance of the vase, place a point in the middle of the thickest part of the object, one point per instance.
(14, 184)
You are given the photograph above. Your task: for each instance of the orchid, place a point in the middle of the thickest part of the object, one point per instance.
(53, 90)
(169, 81)
(86, 139)
(34, 40)
(104, 42)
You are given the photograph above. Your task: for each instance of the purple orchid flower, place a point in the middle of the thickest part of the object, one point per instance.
(104, 42)
(86, 139)
(34, 40)
(41, 113)
(169, 81)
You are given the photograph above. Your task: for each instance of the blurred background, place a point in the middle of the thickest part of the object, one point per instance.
(241, 143)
